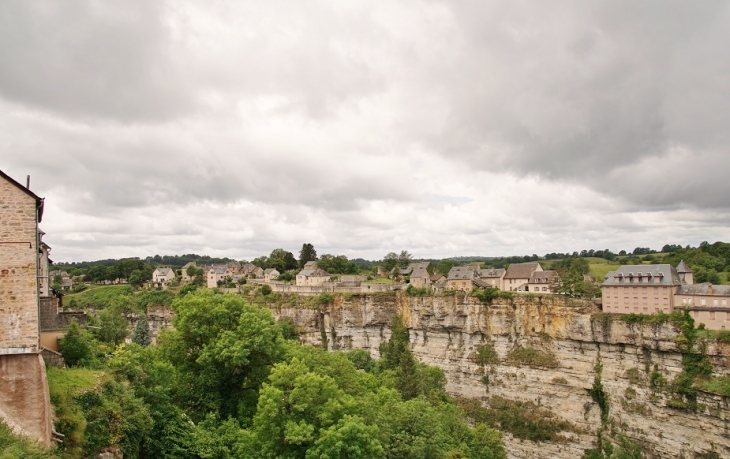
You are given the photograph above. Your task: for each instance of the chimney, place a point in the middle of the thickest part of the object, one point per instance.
(709, 289)
(27, 182)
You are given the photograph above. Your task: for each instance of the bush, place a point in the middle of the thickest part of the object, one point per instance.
(12, 446)
(524, 420)
(485, 355)
(534, 358)
(417, 291)
(77, 346)
(265, 290)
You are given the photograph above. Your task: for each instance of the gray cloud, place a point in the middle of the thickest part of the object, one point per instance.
(444, 128)
(91, 59)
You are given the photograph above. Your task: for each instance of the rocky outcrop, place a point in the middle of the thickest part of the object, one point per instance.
(547, 350)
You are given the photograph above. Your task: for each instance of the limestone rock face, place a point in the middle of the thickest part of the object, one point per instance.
(447, 331)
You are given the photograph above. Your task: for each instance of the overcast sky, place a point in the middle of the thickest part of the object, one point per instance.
(444, 128)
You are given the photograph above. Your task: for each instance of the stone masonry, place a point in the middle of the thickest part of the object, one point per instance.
(18, 275)
(25, 404)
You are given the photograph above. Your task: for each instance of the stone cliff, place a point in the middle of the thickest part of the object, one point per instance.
(548, 351)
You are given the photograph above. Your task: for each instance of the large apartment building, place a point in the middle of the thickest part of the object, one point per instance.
(648, 289)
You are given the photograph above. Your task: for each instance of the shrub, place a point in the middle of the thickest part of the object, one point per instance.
(77, 346)
(265, 290)
(485, 355)
(534, 358)
(524, 420)
(634, 376)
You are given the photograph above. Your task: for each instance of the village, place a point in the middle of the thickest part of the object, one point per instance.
(631, 289)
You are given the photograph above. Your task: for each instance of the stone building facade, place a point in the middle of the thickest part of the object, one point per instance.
(25, 404)
(20, 212)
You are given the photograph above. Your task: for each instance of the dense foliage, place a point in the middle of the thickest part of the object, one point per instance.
(225, 383)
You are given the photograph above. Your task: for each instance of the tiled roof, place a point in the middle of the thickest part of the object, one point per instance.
(491, 273)
(521, 270)
(630, 275)
(462, 272)
(704, 289)
(414, 266)
(544, 277)
(683, 268)
(420, 272)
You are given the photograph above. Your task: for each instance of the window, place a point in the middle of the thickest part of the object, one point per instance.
(714, 302)
(724, 302)
(703, 302)
(712, 315)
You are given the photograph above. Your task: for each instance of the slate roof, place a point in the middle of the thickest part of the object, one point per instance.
(544, 277)
(414, 266)
(420, 272)
(704, 289)
(270, 270)
(683, 268)
(165, 271)
(521, 270)
(480, 283)
(630, 275)
(491, 273)
(462, 272)
(437, 277)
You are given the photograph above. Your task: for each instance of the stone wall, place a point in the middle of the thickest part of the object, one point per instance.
(364, 287)
(54, 320)
(24, 401)
(18, 275)
(447, 331)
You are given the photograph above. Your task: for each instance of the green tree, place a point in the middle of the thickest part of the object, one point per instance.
(444, 266)
(112, 325)
(136, 278)
(390, 261)
(77, 346)
(141, 335)
(307, 254)
(397, 345)
(350, 438)
(404, 258)
(336, 264)
(223, 349)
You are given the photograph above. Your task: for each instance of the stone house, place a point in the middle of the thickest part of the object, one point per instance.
(252, 271)
(184, 271)
(217, 273)
(419, 275)
(494, 277)
(707, 304)
(25, 403)
(312, 276)
(544, 282)
(66, 280)
(163, 275)
(517, 277)
(271, 274)
(44, 277)
(462, 278)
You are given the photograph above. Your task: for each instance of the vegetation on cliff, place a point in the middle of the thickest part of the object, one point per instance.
(225, 383)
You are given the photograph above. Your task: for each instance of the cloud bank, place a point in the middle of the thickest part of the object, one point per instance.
(367, 127)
